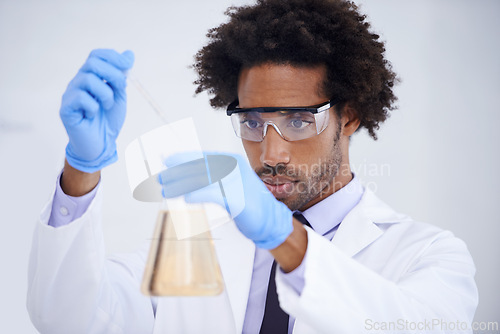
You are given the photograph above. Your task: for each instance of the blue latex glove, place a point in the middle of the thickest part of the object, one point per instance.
(93, 109)
(260, 216)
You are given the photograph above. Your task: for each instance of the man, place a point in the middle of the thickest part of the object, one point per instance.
(299, 78)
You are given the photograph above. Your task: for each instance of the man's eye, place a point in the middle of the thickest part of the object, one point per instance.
(299, 123)
(251, 124)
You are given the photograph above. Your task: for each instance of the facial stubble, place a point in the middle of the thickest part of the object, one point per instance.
(311, 180)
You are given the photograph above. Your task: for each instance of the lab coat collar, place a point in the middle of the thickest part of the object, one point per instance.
(360, 227)
(321, 216)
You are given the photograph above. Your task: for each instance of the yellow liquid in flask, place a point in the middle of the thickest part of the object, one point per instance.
(185, 266)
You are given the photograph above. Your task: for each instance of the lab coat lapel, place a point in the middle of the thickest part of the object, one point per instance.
(360, 227)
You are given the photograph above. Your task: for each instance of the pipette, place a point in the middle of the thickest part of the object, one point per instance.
(140, 88)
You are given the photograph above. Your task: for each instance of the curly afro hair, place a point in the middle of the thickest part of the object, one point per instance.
(301, 33)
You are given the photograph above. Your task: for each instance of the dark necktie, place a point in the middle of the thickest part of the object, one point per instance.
(275, 319)
(301, 219)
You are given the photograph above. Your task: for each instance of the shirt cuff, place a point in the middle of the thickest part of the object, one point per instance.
(65, 208)
(295, 278)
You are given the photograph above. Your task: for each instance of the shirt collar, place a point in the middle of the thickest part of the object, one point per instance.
(327, 214)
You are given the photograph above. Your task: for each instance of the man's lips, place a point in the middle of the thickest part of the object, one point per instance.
(281, 187)
(276, 180)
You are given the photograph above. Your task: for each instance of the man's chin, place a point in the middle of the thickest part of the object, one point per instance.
(293, 202)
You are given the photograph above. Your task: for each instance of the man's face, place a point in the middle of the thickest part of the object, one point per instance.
(298, 173)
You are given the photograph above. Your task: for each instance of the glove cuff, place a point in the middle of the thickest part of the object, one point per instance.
(102, 161)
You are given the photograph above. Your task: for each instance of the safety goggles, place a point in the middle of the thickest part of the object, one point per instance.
(291, 123)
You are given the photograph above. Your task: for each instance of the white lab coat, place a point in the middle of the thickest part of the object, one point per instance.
(380, 267)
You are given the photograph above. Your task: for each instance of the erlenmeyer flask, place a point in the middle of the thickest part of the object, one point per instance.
(182, 259)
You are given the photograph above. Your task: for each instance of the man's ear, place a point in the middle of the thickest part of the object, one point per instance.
(350, 120)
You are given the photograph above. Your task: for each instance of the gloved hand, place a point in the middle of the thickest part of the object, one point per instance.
(93, 109)
(262, 219)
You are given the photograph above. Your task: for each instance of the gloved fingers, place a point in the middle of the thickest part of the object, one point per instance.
(122, 61)
(77, 104)
(96, 88)
(179, 187)
(184, 178)
(214, 166)
(182, 157)
(215, 163)
(186, 170)
(208, 194)
(242, 161)
(105, 71)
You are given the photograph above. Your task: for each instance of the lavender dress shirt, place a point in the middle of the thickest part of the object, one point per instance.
(324, 218)
(65, 208)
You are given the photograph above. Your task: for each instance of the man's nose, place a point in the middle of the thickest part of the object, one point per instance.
(274, 149)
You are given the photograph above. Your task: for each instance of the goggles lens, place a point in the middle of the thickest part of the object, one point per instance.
(290, 125)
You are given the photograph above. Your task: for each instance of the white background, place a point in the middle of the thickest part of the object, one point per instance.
(437, 157)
